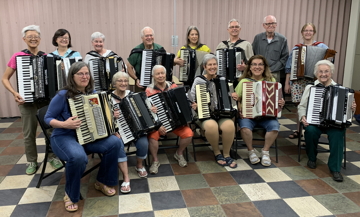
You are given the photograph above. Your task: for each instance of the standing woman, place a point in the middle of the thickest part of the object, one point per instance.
(65, 145)
(257, 70)
(212, 126)
(121, 83)
(97, 41)
(192, 42)
(62, 40)
(31, 36)
(296, 88)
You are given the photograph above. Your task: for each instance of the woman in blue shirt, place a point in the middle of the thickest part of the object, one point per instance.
(62, 40)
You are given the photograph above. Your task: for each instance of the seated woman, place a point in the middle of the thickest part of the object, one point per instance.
(65, 145)
(62, 40)
(213, 126)
(184, 132)
(257, 70)
(192, 42)
(121, 82)
(324, 70)
(97, 41)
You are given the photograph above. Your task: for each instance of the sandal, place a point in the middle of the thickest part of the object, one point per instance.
(230, 161)
(105, 189)
(220, 157)
(125, 185)
(69, 203)
(294, 135)
(141, 172)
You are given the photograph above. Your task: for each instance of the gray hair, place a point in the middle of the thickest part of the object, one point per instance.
(97, 35)
(233, 20)
(267, 17)
(208, 57)
(30, 28)
(142, 31)
(153, 71)
(324, 62)
(118, 75)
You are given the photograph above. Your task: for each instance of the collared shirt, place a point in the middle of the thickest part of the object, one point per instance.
(66, 55)
(276, 52)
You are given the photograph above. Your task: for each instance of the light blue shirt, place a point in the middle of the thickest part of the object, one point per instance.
(76, 54)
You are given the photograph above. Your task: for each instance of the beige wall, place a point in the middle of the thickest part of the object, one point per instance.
(356, 66)
(121, 22)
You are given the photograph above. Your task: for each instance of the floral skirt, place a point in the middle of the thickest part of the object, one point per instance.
(298, 87)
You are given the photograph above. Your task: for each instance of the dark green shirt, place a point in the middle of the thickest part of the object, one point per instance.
(135, 58)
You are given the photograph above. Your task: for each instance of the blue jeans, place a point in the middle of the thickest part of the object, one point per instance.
(141, 145)
(68, 149)
(268, 124)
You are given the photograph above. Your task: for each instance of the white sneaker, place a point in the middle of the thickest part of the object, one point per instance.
(254, 159)
(265, 158)
(154, 167)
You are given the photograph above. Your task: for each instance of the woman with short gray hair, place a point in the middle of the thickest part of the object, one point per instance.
(97, 41)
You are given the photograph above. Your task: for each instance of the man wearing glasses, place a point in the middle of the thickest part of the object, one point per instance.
(235, 41)
(273, 46)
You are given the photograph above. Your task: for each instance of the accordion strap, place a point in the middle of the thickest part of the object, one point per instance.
(40, 53)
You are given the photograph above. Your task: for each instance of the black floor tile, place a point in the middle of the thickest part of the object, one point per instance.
(246, 177)
(274, 208)
(288, 189)
(11, 196)
(31, 210)
(167, 200)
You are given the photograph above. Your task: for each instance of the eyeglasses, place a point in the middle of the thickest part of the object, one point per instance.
(63, 38)
(234, 27)
(324, 72)
(80, 74)
(308, 31)
(268, 24)
(32, 37)
(122, 81)
(148, 36)
(254, 64)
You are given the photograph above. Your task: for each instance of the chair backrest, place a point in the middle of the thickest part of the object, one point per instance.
(44, 127)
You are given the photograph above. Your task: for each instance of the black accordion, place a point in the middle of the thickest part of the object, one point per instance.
(150, 58)
(228, 59)
(173, 108)
(214, 99)
(57, 70)
(135, 111)
(103, 69)
(192, 65)
(95, 113)
(330, 106)
(32, 82)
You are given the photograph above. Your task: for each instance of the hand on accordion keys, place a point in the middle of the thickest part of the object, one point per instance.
(116, 114)
(194, 106)
(72, 123)
(281, 103)
(304, 121)
(154, 109)
(241, 67)
(162, 131)
(18, 98)
(353, 106)
(235, 96)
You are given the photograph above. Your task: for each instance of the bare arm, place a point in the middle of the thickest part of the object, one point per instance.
(132, 74)
(6, 81)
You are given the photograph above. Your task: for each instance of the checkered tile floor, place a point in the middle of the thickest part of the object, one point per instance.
(287, 188)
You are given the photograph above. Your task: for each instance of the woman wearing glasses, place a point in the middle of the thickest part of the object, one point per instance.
(297, 87)
(62, 40)
(97, 41)
(257, 70)
(120, 82)
(65, 145)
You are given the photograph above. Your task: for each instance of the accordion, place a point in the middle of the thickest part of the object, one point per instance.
(136, 118)
(95, 113)
(304, 59)
(214, 100)
(173, 108)
(32, 82)
(228, 59)
(330, 106)
(150, 58)
(261, 99)
(103, 69)
(192, 65)
(57, 70)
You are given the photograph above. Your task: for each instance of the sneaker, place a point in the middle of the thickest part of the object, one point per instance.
(180, 159)
(265, 158)
(32, 167)
(254, 159)
(154, 167)
(55, 163)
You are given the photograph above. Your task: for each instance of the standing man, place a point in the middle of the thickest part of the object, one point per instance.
(235, 41)
(273, 46)
(135, 57)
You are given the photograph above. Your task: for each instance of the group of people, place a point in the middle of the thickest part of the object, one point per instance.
(267, 60)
